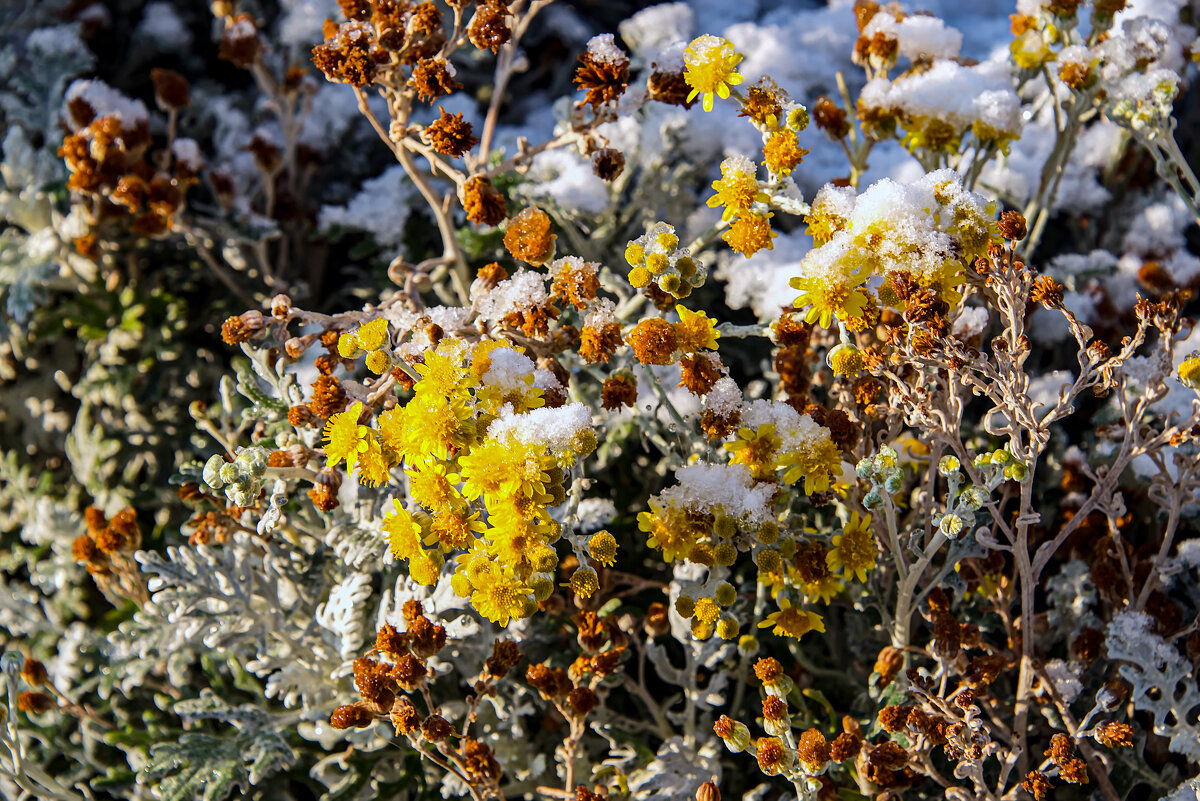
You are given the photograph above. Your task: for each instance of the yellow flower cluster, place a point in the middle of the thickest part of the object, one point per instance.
(484, 461)
(656, 256)
(924, 233)
(714, 510)
(371, 338)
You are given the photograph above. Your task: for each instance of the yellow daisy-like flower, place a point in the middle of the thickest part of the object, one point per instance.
(854, 550)
(823, 589)
(668, 529)
(695, 331)
(792, 621)
(505, 468)
(502, 599)
(1189, 371)
(751, 233)
(442, 373)
(756, 450)
(782, 152)
(434, 426)
(372, 335)
(481, 358)
(432, 485)
(345, 438)
(709, 68)
(373, 465)
(453, 531)
(425, 567)
(403, 533)
(816, 461)
(737, 188)
(827, 298)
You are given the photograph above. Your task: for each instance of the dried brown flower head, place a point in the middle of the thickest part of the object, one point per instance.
(666, 84)
(171, 90)
(845, 746)
(238, 329)
(433, 78)
(698, 373)
(482, 202)
(240, 43)
(603, 75)
(813, 750)
(653, 341)
(505, 656)
(351, 716)
(1114, 734)
(1046, 291)
(405, 717)
(489, 27)
(1037, 784)
(328, 397)
(830, 118)
(436, 728)
(450, 134)
(768, 670)
(530, 236)
(581, 700)
(608, 163)
(597, 344)
(479, 761)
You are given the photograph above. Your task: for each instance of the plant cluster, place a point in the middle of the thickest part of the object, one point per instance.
(753, 422)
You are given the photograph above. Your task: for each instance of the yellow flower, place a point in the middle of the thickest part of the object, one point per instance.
(453, 531)
(845, 359)
(481, 357)
(709, 68)
(828, 296)
(668, 529)
(1029, 50)
(432, 485)
(345, 438)
(502, 599)
(603, 548)
(584, 582)
(823, 589)
(695, 331)
(737, 188)
(782, 152)
(854, 550)
(756, 450)
(505, 468)
(750, 234)
(707, 610)
(817, 460)
(373, 464)
(404, 535)
(347, 346)
(792, 621)
(442, 373)
(1189, 371)
(373, 335)
(430, 426)
(425, 567)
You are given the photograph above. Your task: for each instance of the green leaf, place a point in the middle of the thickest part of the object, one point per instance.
(211, 767)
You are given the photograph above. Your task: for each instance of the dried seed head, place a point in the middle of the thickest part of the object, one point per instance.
(351, 716)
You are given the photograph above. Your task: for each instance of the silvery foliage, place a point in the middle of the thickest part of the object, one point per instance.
(1163, 681)
(36, 245)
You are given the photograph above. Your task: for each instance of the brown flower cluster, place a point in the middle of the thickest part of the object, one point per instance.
(107, 155)
(397, 666)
